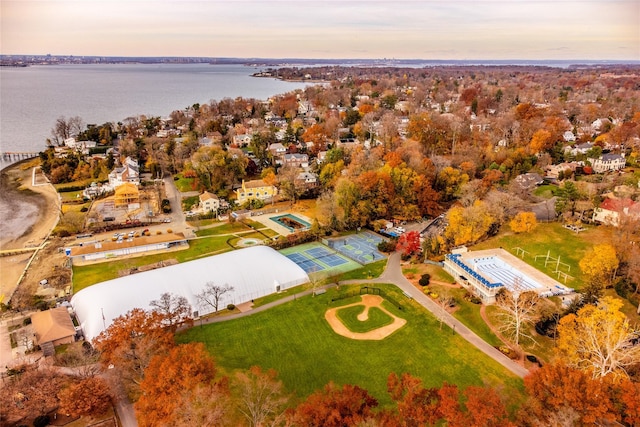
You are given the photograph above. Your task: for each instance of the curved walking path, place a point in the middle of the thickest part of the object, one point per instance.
(393, 274)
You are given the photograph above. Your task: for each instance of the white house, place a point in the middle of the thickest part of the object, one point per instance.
(579, 148)
(209, 202)
(569, 136)
(307, 179)
(608, 162)
(277, 149)
(128, 172)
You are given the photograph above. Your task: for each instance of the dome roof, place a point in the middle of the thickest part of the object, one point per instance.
(253, 272)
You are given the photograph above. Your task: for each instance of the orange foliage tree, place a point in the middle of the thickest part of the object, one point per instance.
(167, 378)
(90, 396)
(130, 343)
(335, 407)
(560, 394)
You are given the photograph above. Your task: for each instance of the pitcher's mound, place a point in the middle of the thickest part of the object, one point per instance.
(377, 334)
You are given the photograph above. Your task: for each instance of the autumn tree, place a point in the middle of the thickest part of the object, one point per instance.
(564, 396)
(168, 377)
(597, 339)
(518, 311)
(130, 343)
(212, 295)
(30, 393)
(485, 408)
(416, 405)
(262, 398)
(91, 396)
(450, 181)
(523, 222)
(175, 310)
(208, 404)
(335, 406)
(408, 243)
(468, 225)
(541, 141)
(599, 264)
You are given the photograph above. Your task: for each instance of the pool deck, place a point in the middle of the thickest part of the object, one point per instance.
(283, 231)
(547, 283)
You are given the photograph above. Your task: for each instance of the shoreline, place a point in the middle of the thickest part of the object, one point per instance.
(28, 214)
(29, 210)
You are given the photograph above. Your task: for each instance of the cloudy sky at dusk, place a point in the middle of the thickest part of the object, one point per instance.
(453, 29)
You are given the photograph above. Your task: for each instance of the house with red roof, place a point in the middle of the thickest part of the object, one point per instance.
(612, 210)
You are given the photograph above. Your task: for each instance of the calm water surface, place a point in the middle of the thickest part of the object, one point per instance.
(32, 98)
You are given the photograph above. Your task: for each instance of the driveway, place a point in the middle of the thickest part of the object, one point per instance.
(178, 220)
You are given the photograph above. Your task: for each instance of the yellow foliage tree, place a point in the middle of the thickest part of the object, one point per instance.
(523, 222)
(540, 141)
(597, 339)
(599, 263)
(468, 225)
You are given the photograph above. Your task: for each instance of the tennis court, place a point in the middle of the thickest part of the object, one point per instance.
(361, 247)
(314, 257)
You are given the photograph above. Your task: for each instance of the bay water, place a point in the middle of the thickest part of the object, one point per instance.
(32, 98)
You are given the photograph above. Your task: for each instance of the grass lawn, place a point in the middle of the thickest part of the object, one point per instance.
(417, 270)
(184, 184)
(546, 191)
(189, 202)
(295, 340)
(556, 239)
(376, 318)
(224, 228)
(368, 271)
(543, 347)
(87, 275)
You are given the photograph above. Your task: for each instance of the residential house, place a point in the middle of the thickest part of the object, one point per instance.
(611, 211)
(569, 136)
(277, 149)
(129, 172)
(608, 162)
(528, 181)
(209, 202)
(577, 149)
(321, 156)
(255, 189)
(241, 140)
(307, 180)
(553, 171)
(53, 327)
(296, 160)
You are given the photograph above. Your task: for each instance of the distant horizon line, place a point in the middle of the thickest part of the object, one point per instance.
(325, 60)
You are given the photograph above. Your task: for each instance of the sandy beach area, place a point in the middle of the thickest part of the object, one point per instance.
(29, 210)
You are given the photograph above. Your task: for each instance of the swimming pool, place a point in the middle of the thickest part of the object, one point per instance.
(291, 222)
(498, 270)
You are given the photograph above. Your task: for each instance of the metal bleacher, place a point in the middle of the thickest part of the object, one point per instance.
(456, 260)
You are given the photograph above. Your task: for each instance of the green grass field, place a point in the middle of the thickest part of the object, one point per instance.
(296, 340)
(556, 239)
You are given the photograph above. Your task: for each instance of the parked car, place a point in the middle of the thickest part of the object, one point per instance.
(167, 220)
